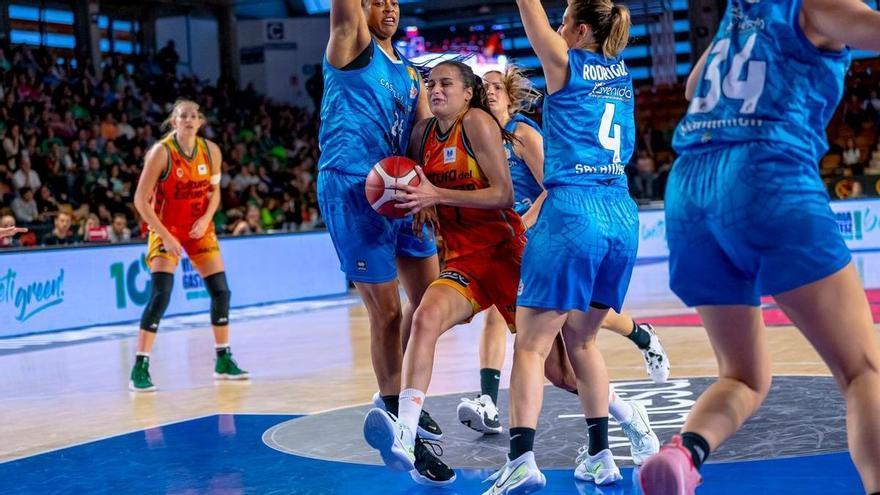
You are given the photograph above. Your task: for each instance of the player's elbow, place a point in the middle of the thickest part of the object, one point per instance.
(504, 197)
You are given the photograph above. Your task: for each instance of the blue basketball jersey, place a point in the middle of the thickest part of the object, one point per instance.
(764, 80)
(525, 188)
(367, 114)
(589, 128)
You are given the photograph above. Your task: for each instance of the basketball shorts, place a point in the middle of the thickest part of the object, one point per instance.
(366, 242)
(746, 221)
(487, 277)
(199, 251)
(582, 249)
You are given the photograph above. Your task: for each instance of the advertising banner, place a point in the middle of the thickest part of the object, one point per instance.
(57, 289)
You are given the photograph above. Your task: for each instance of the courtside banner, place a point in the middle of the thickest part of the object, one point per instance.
(858, 219)
(58, 289)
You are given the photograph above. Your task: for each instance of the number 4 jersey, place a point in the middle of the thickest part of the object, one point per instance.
(764, 80)
(589, 129)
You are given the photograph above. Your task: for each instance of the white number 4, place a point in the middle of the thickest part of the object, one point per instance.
(608, 140)
(732, 86)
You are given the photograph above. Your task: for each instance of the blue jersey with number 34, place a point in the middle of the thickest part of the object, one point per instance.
(764, 80)
(589, 128)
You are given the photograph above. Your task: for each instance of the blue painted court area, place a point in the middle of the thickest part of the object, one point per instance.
(224, 454)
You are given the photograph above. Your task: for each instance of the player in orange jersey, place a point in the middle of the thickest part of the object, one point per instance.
(177, 195)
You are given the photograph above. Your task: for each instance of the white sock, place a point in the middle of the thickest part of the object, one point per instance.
(410, 408)
(145, 354)
(620, 410)
(221, 346)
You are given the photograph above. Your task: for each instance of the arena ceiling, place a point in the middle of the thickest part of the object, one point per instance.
(426, 13)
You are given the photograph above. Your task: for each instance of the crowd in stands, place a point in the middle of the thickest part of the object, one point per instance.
(72, 147)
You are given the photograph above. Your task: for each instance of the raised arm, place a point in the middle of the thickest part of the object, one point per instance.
(851, 22)
(551, 49)
(694, 77)
(349, 34)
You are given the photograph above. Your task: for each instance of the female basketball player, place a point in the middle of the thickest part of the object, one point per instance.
(466, 176)
(177, 195)
(508, 94)
(761, 97)
(581, 252)
(371, 97)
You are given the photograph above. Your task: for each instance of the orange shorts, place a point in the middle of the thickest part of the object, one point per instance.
(198, 250)
(489, 277)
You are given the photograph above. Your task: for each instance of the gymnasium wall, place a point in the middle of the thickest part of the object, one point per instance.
(195, 39)
(280, 56)
(56, 289)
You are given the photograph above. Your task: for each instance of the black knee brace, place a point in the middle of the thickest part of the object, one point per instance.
(160, 296)
(219, 291)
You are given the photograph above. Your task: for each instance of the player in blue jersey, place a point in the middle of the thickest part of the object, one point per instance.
(509, 94)
(748, 215)
(580, 254)
(372, 95)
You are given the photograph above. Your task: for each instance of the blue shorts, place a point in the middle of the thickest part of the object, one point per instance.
(366, 242)
(582, 249)
(747, 221)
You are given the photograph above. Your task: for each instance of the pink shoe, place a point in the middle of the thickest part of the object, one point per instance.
(670, 471)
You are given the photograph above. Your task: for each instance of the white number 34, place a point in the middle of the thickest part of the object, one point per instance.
(732, 86)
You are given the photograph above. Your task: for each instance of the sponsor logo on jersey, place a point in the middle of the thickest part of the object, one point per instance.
(455, 277)
(448, 155)
(595, 72)
(621, 93)
(179, 172)
(741, 22)
(361, 265)
(519, 290)
(203, 169)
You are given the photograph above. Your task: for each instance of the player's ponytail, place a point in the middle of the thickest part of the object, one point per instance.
(479, 99)
(610, 23)
(618, 33)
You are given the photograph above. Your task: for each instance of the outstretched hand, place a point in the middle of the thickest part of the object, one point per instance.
(11, 231)
(417, 198)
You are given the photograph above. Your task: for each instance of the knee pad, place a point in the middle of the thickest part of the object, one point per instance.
(219, 291)
(160, 296)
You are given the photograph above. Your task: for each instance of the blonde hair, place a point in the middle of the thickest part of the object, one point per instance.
(610, 23)
(167, 124)
(521, 94)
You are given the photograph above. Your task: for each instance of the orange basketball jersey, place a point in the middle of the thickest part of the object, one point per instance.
(181, 195)
(449, 163)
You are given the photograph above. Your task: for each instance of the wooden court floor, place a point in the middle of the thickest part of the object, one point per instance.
(63, 394)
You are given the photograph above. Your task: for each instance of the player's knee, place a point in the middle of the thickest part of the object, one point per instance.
(866, 366)
(426, 321)
(160, 295)
(218, 289)
(757, 381)
(384, 312)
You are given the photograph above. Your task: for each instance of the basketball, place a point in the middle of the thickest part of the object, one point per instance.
(381, 182)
